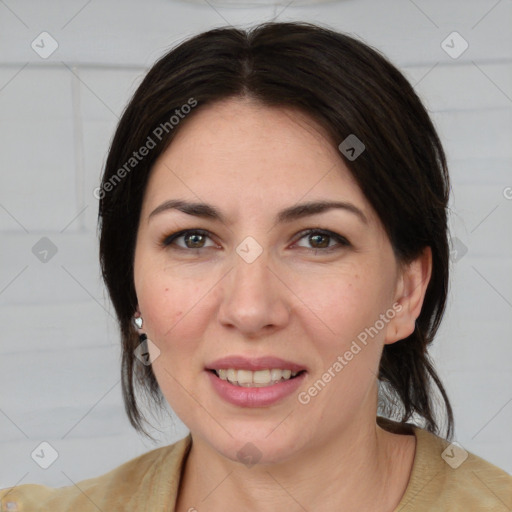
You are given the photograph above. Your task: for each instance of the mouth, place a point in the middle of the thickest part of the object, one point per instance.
(255, 379)
(250, 382)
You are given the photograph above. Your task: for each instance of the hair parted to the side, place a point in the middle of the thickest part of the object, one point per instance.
(347, 87)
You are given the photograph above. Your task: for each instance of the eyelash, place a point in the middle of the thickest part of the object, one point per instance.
(168, 240)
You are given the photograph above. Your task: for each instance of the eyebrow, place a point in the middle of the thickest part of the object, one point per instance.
(290, 214)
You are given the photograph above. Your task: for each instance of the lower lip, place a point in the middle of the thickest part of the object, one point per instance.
(254, 397)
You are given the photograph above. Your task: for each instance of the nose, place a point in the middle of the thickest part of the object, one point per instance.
(254, 298)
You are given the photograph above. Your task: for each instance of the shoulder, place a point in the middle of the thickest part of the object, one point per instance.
(127, 487)
(447, 477)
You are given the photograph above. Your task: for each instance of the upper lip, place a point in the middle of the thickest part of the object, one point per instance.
(254, 363)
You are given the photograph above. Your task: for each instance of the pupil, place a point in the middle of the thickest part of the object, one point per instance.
(194, 238)
(314, 238)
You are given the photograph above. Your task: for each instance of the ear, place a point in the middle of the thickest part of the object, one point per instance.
(410, 293)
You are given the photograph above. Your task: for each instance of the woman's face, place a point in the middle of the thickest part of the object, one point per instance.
(269, 279)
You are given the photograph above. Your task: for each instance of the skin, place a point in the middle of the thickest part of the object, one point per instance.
(295, 301)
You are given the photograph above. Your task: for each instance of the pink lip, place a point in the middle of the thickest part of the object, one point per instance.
(254, 364)
(254, 397)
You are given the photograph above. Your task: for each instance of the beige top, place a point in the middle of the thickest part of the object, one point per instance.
(442, 479)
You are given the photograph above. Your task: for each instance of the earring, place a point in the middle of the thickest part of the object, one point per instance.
(138, 322)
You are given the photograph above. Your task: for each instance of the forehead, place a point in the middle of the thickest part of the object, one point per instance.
(241, 126)
(239, 150)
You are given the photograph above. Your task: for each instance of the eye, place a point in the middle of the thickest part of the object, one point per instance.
(192, 239)
(320, 240)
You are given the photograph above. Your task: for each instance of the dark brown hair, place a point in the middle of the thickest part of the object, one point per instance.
(347, 87)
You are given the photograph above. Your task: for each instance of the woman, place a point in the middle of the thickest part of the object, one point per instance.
(274, 241)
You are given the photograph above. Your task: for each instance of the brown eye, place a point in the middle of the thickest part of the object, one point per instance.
(192, 239)
(321, 239)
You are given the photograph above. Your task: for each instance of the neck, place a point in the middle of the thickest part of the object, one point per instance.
(363, 469)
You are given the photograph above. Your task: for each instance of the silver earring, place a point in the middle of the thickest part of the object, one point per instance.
(138, 322)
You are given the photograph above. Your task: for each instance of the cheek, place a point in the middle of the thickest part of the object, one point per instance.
(167, 307)
(342, 310)
(342, 305)
(169, 303)
(338, 319)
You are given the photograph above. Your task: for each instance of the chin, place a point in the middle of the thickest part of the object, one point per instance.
(251, 445)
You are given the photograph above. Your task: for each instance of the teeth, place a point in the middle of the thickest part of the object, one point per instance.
(244, 377)
(275, 374)
(260, 378)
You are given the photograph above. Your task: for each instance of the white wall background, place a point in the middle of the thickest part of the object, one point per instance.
(59, 354)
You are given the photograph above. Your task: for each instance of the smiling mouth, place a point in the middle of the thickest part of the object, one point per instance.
(255, 379)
